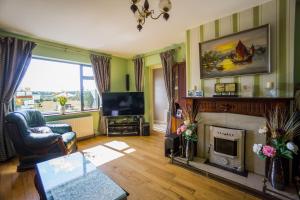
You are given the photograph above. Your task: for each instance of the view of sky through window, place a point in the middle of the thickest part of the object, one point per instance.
(44, 75)
(46, 80)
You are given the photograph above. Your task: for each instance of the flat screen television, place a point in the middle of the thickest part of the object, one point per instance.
(123, 103)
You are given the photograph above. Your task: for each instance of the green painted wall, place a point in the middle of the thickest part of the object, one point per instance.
(118, 72)
(54, 50)
(280, 15)
(130, 71)
(297, 45)
(151, 59)
(68, 53)
(146, 93)
(63, 52)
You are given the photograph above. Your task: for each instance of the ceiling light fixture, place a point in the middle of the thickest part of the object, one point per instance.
(143, 12)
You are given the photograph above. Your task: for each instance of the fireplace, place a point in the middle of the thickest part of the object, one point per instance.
(227, 149)
(226, 134)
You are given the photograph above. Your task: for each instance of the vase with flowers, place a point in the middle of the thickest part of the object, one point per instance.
(62, 100)
(280, 130)
(188, 130)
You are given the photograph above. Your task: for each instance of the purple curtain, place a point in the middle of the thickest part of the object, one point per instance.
(15, 56)
(138, 71)
(101, 69)
(167, 61)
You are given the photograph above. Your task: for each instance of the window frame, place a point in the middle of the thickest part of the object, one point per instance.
(81, 79)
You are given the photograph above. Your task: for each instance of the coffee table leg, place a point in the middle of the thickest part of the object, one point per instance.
(37, 184)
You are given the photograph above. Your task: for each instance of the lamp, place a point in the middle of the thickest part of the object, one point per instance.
(143, 12)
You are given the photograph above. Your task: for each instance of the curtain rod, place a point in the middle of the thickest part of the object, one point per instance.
(71, 49)
(44, 43)
(157, 52)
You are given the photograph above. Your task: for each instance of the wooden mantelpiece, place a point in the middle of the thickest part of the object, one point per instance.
(254, 106)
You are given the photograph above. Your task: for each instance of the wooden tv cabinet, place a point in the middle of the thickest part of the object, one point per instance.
(124, 125)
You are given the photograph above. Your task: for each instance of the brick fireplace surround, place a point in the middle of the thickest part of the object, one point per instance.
(240, 113)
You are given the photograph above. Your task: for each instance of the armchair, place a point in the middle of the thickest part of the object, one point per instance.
(36, 141)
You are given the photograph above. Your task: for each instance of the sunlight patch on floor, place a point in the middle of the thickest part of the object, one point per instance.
(100, 155)
(110, 151)
(117, 145)
(129, 150)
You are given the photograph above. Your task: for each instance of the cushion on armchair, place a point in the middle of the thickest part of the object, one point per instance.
(59, 128)
(33, 118)
(38, 141)
(69, 138)
(41, 129)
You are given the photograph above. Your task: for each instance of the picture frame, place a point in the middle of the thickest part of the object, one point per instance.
(226, 89)
(191, 93)
(219, 87)
(231, 87)
(243, 53)
(198, 93)
(179, 113)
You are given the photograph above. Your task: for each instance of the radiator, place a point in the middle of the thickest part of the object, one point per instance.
(83, 126)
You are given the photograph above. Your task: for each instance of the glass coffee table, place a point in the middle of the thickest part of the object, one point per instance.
(73, 177)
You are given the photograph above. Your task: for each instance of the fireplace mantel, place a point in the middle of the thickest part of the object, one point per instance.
(253, 106)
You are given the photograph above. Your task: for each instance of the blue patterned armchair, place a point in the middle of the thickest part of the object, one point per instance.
(36, 141)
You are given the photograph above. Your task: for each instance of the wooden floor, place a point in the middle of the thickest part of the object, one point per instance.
(144, 173)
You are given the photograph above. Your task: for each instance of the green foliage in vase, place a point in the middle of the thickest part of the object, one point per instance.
(281, 130)
(191, 132)
(62, 100)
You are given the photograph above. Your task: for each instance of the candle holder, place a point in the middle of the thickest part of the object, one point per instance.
(270, 90)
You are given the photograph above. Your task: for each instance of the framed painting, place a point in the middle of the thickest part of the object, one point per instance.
(231, 87)
(219, 87)
(246, 52)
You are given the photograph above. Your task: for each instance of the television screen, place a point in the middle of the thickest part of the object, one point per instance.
(123, 103)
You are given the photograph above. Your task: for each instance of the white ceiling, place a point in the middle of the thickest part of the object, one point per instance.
(109, 25)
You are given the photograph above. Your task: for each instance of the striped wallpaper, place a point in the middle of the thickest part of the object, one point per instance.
(280, 14)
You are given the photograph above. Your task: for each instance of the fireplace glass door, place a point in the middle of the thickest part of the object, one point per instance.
(225, 147)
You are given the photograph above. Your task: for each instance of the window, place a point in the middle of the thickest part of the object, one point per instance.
(45, 80)
(90, 96)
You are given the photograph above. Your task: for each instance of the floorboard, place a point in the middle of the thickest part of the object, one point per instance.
(145, 173)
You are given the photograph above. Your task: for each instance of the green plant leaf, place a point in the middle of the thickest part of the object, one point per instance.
(261, 156)
(287, 154)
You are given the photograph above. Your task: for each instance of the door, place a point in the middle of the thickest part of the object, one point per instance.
(160, 101)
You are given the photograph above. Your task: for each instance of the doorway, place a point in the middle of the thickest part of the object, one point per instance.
(160, 101)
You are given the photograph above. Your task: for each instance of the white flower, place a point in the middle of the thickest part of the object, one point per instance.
(292, 147)
(257, 148)
(187, 122)
(263, 130)
(188, 132)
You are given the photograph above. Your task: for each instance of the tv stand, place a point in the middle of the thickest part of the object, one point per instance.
(124, 125)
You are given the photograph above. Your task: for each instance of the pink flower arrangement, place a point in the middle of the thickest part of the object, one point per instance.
(281, 128)
(181, 129)
(188, 131)
(269, 151)
(178, 131)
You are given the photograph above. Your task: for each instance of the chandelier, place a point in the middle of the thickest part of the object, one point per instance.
(143, 12)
